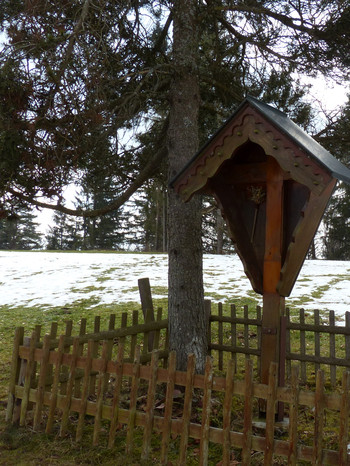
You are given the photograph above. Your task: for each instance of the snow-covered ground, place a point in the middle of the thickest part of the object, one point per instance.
(58, 279)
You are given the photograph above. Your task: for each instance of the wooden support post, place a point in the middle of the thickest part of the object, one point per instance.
(273, 303)
(147, 306)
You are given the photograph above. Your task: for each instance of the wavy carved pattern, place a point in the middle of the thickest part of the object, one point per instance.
(250, 126)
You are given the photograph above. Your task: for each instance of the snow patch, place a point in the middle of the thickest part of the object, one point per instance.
(58, 279)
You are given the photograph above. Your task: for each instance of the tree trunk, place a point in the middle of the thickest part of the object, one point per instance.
(312, 250)
(164, 224)
(188, 323)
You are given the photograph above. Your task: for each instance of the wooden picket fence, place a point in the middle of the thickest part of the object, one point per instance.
(309, 341)
(63, 380)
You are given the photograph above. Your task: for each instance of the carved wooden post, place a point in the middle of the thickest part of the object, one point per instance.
(273, 303)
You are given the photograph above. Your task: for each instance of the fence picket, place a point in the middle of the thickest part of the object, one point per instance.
(40, 392)
(248, 414)
(319, 419)
(92, 378)
(270, 414)
(169, 397)
(133, 342)
(123, 325)
(317, 340)
(55, 383)
(288, 347)
(258, 328)
(31, 364)
(186, 417)
(151, 393)
(234, 333)
(70, 385)
(53, 336)
(15, 365)
(293, 417)
(220, 338)
(21, 381)
(333, 369)
(347, 335)
(103, 377)
(208, 382)
(65, 369)
(246, 330)
(226, 422)
(116, 396)
(79, 373)
(53, 330)
(344, 420)
(133, 399)
(111, 322)
(210, 333)
(86, 389)
(148, 336)
(157, 332)
(302, 346)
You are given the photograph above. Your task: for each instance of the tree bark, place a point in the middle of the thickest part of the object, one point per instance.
(188, 324)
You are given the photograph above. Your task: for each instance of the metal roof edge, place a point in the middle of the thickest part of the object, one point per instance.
(302, 139)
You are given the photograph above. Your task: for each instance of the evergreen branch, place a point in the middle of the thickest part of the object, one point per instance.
(57, 77)
(252, 41)
(143, 176)
(283, 19)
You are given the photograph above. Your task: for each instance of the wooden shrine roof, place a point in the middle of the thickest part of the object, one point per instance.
(317, 163)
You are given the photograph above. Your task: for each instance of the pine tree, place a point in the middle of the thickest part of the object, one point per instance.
(20, 231)
(106, 231)
(65, 234)
(150, 219)
(336, 239)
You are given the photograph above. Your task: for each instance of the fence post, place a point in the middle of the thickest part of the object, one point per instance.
(147, 306)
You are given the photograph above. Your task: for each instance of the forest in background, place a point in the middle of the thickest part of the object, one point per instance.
(142, 225)
(139, 226)
(103, 113)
